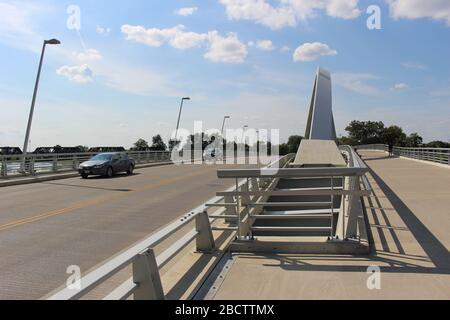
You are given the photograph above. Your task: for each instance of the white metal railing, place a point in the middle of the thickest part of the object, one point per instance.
(247, 202)
(381, 147)
(145, 282)
(13, 165)
(438, 155)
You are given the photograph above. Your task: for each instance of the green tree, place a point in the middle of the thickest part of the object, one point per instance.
(141, 145)
(83, 148)
(413, 140)
(294, 143)
(394, 135)
(365, 132)
(158, 144)
(283, 149)
(346, 141)
(437, 144)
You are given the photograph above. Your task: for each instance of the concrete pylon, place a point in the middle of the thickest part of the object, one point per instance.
(320, 120)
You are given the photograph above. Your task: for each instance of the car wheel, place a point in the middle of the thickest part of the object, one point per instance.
(84, 176)
(130, 169)
(109, 172)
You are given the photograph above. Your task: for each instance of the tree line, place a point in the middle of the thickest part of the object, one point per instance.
(359, 133)
(375, 132)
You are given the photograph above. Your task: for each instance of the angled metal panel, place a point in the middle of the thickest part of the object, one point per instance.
(320, 124)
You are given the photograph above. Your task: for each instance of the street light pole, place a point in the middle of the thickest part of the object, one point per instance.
(243, 133)
(179, 117)
(33, 101)
(223, 124)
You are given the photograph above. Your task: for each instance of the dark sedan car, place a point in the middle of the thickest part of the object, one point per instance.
(107, 164)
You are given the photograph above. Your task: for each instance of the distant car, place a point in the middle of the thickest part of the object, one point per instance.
(107, 164)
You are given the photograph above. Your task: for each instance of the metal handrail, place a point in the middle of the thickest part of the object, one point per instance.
(249, 201)
(12, 165)
(437, 155)
(111, 267)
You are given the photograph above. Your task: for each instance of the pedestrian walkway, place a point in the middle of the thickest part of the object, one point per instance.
(409, 218)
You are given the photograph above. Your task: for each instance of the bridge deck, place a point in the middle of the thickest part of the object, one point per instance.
(409, 217)
(46, 227)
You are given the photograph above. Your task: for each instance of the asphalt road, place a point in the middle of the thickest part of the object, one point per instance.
(48, 226)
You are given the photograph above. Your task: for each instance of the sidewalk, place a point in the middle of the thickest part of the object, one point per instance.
(408, 215)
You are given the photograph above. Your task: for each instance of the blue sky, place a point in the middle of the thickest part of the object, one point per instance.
(121, 75)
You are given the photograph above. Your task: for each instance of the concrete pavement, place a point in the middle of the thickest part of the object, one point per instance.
(46, 227)
(409, 218)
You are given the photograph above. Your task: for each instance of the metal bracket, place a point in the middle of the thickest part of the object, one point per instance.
(146, 276)
(205, 238)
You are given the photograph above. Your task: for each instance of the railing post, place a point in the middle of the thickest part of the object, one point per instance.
(254, 186)
(332, 233)
(55, 163)
(146, 276)
(230, 211)
(353, 210)
(76, 162)
(245, 199)
(238, 211)
(205, 239)
(4, 171)
(31, 166)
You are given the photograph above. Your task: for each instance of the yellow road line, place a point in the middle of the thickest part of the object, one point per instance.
(95, 201)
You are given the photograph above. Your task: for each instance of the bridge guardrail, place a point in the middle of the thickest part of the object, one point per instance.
(145, 283)
(12, 165)
(250, 199)
(438, 155)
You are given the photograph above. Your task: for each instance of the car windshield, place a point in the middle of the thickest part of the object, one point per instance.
(102, 157)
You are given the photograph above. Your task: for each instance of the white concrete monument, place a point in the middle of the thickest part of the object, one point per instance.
(319, 148)
(320, 120)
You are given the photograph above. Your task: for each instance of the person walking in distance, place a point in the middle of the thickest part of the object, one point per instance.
(391, 149)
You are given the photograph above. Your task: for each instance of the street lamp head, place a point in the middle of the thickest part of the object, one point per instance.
(53, 41)
(186, 98)
(227, 117)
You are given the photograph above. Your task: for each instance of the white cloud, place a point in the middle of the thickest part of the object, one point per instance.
(345, 9)
(312, 51)
(186, 11)
(228, 49)
(414, 9)
(16, 26)
(288, 13)
(356, 82)
(265, 45)
(413, 65)
(140, 80)
(102, 30)
(441, 93)
(79, 74)
(89, 55)
(285, 49)
(176, 36)
(400, 86)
